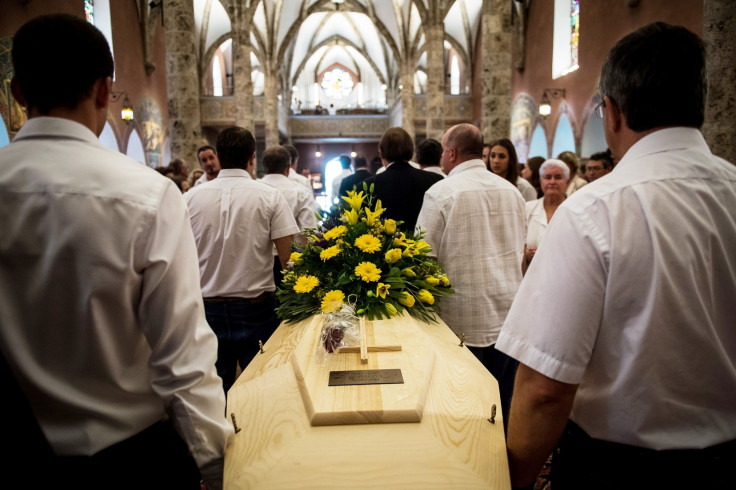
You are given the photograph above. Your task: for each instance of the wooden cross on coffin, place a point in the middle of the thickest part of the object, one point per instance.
(364, 348)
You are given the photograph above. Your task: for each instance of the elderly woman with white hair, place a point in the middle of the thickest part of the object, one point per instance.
(554, 176)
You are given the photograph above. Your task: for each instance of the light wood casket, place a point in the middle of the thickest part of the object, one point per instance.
(431, 431)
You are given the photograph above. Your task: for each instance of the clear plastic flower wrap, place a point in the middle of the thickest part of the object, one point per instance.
(340, 328)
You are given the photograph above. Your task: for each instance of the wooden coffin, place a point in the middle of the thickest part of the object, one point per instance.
(434, 430)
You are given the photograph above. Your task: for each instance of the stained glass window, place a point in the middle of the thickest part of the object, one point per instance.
(337, 83)
(574, 31)
(566, 38)
(89, 11)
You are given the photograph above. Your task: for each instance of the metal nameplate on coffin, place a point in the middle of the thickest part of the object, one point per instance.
(366, 377)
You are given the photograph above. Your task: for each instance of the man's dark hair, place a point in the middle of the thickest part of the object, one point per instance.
(205, 147)
(176, 165)
(344, 161)
(360, 162)
(656, 76)
(293, 153)
(603, 157)
(57, 59)
(375, 164)
(396, 145)
(429, 152)
(235, 146)
(276, 160)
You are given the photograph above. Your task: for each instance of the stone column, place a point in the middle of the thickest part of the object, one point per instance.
(242, 82)
(496, 77)
(182, 81)
(407, 96)
(271, 105)
(719, 34)
(435, 37)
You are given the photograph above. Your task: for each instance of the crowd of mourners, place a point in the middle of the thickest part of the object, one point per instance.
(599, 294)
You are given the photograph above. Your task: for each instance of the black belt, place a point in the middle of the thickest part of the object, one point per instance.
(231, 299)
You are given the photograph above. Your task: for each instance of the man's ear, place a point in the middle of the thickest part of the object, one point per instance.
(15, 90)
(250, 166)
(613, 114)
(104, 89)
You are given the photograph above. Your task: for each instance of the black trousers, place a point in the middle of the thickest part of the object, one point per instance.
(156, 458)
(582, 462)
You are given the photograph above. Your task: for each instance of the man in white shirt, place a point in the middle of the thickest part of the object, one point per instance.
(474, 221)
(207, 157)
(101, 317)
(294, 167)
(624, 324)
(346, 170)
(301, 201)
(236, 222)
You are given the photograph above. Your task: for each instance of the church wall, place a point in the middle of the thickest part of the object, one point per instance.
(602, 24)
(147, 93)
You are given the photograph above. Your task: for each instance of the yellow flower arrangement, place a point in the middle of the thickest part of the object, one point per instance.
(368, 243)
(304, 284)
(358, 256)
(368, 271)
(330, 252)
(332, 301)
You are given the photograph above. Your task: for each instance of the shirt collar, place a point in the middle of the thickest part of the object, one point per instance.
(55, 127)
(467, 165)
(668, 139)
(233, 172)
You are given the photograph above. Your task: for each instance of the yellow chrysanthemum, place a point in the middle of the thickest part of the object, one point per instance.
(304, 284)
(425, 296)
(355, 199)
(432, 280)
(391, 309)
(382, 290)
(368, 243)
(336, 232)
(368, 272)
(406, 299)
(295, 257)
(332, 301)
(330, 252)
(371, 217)
(409, 272)
(389, 226)
(393, 255)
(351, 216)
(444, 280)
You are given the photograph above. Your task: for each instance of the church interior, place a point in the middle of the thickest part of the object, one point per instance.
(330, 76)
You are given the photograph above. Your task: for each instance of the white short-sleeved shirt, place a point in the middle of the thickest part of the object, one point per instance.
(632, 294)
(528, 192)
(101, 315)
(536, 222)
(474, 221)
(235, 220)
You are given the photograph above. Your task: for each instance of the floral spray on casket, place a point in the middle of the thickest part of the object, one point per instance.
(357, 254)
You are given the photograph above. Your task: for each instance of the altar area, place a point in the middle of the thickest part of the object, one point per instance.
(437, 429)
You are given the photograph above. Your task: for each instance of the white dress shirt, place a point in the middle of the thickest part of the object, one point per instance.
(101, 315)
(435, 169)
(300, 179)
(235, 220)
(528, 192)
(337, 181)
(300, 200)
(632, 295)
(475, 224)
(536, 222)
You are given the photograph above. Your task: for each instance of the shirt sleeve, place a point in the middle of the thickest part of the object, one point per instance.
(432, 221)
(282, 218)
(305, 217)
(183, 346)
(553, 323)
